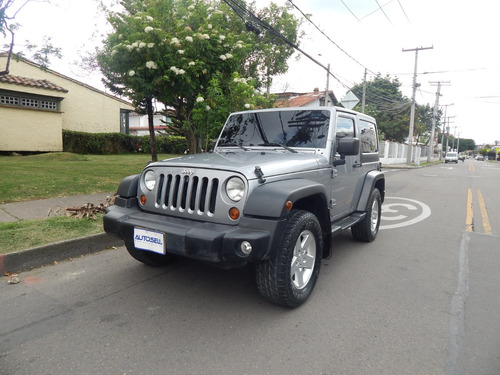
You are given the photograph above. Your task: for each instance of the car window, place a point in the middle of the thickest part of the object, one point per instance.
(345, 127)
(368, 137)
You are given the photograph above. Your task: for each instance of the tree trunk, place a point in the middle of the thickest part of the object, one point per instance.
(152, 137)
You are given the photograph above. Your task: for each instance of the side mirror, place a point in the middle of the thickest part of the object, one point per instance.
(348, 146)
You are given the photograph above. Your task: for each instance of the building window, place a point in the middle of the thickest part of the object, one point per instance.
(30, 103)
(9, 100)
(23, 100)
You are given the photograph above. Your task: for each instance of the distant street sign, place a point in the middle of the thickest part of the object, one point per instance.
(350, 100)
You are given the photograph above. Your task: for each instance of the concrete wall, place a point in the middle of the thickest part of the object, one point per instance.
(38, 130)
(83, 108)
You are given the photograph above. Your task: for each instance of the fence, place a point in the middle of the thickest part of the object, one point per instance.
(396, 153)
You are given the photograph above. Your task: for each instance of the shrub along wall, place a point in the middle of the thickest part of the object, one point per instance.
(117, 143)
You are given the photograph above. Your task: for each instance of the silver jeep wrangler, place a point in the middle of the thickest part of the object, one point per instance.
(279, 184)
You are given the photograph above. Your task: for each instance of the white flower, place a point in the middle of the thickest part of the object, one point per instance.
(137, 18)
(228, 55)
(181, 71)
(175, 41)
(199, 99)
(207, 108)
(206, 36)
(149, 18)
(131, 73)
(151, 45)
(222, 37)
(180, 52)
(114, 52)
(222, 57)
(135, 45)
(247, 106)
(191, 7)
(148, 29)
(189, 39)
(142, 45)
(174, 69)
(129, 47)
(191, 63)
(151, 65)
(210, 26)
(238, 45)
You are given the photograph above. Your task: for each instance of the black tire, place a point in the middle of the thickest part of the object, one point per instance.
(367, 229)
(283, 279)
(149, 258)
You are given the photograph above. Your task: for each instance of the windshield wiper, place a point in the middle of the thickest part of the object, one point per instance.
(278, 145)
(234, 145)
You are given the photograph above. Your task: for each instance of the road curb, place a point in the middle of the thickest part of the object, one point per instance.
(56, 252)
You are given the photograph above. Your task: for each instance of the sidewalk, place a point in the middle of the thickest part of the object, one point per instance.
(48, 254)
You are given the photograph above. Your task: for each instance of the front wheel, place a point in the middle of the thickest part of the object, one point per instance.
(366, 230)
(289, 278)
(149, 258)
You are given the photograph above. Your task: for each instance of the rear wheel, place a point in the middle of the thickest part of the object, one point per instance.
(366, 230)
(289, 278)
(149, 258)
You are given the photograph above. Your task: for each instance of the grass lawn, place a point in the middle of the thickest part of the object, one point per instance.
(63, 174)
(59, 174)
(26, 234)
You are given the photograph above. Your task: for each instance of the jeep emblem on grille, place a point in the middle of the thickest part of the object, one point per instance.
(189, 172)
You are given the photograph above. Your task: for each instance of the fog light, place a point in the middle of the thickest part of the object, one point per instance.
(246, 247)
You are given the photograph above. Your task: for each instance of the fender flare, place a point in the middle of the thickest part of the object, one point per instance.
(373, 179)
(268, 200)
(128, 186)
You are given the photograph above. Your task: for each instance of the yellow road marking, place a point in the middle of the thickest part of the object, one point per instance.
(469, 225)
(484, 213)
(472, 167)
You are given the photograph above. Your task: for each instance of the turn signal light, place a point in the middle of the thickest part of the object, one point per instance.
(288, 205)
(143, 199)
(234, 213)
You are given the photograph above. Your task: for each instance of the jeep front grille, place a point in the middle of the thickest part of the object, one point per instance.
(187, 194)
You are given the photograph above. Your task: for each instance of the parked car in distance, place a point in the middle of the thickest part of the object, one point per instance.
(480, 157)
(451, 157)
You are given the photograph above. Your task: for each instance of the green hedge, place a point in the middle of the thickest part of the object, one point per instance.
(117, 143)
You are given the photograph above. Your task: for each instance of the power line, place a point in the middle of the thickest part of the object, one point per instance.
(245, 14)
(382, 10)
(326, 36)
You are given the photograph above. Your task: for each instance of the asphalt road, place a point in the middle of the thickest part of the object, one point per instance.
(422, 299)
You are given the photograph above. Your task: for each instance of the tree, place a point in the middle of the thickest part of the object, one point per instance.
(39, 54)
(186, 54)
(386, 103)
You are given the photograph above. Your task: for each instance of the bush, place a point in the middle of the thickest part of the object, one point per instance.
(118, 143)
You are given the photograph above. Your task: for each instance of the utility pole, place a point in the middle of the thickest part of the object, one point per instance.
(444, 129)
(327, 94)
(363, 100)
(412, 113)
(434, 118)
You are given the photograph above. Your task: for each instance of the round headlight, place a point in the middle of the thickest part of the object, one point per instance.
(235, 188)
(150, 180)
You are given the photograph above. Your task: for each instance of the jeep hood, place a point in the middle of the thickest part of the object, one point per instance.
(271, 162)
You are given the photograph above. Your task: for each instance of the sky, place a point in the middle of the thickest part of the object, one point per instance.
(369, 34)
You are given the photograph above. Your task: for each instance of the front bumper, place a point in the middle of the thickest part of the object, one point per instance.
(205, 241)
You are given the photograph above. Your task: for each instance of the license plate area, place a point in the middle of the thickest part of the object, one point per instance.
(150, 240)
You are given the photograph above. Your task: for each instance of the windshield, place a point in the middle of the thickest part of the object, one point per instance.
(451, 154)
(301, 128)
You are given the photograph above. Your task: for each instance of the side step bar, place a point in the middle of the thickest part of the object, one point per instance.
(347, 222)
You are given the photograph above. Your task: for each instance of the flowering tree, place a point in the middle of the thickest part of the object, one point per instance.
(190, 55)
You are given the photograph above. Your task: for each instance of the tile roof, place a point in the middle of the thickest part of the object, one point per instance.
(301, 99)
(30, 82)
